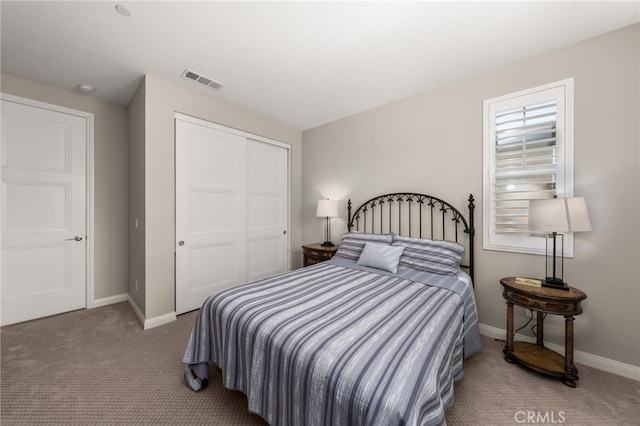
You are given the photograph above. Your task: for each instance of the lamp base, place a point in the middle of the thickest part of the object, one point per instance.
(555, 283)
(327, 244)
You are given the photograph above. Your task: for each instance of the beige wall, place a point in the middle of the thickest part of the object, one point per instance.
(137, 198)
(162, 100)
(432, 143)
(110, 177)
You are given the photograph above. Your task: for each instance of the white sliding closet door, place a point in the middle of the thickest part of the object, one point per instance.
(267, 207)
(231, 210)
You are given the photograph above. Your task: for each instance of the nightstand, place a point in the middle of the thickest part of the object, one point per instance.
(543, 300)
(316, 253)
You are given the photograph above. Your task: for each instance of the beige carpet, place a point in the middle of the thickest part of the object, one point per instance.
(99, 367)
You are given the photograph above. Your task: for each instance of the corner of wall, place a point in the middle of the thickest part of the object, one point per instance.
(136, 201)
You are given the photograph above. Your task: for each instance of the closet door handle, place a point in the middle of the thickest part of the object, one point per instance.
(181, 243)
(76, 238)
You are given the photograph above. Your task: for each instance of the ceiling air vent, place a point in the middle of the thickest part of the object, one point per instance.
(201, 79)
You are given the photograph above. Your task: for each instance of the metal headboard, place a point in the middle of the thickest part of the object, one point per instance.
(415, 215)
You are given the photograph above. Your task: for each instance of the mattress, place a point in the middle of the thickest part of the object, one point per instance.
(341, 344)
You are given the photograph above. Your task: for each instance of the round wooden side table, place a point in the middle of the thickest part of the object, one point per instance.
(543, 300)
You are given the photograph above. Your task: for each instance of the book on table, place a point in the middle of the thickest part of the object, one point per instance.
(529, 281)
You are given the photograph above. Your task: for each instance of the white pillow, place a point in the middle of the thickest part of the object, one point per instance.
(381, 256)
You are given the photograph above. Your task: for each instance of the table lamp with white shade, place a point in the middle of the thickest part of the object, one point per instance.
(554, 217)
(327, 209)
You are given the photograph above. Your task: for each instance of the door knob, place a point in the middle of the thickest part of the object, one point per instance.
(76, 238)
(181, 243)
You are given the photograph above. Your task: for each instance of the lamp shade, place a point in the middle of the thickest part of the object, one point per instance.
(327, 208)
(559, 215)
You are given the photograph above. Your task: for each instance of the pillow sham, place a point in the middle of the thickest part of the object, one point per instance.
(353, 243)
(381, 256)
(440, 257)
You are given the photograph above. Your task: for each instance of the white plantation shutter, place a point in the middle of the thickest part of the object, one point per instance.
(528, 154)
(525, 162)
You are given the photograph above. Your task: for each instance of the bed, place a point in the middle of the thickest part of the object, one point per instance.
(375, 336)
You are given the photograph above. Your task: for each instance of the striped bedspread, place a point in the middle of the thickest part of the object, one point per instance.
(338, 344)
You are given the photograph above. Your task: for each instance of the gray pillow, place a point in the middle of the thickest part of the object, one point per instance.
(380, 256)
(353, 243)
(440, 257)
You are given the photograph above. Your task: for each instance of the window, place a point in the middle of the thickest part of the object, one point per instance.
(528, 154)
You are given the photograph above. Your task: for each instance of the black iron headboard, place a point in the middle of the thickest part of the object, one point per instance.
(415, 215)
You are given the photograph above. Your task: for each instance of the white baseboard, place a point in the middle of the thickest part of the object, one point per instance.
(579, 357)
(109, 300)
(136, 310)
(160, 320)
(151, 322)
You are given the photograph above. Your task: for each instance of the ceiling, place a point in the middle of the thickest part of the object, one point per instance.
(302, 64)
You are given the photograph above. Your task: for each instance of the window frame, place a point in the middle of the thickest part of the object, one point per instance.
(563, 92)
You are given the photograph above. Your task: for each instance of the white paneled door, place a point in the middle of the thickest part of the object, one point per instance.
(267, 207)
(231, 210)
(43, 212)
(210, 213)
